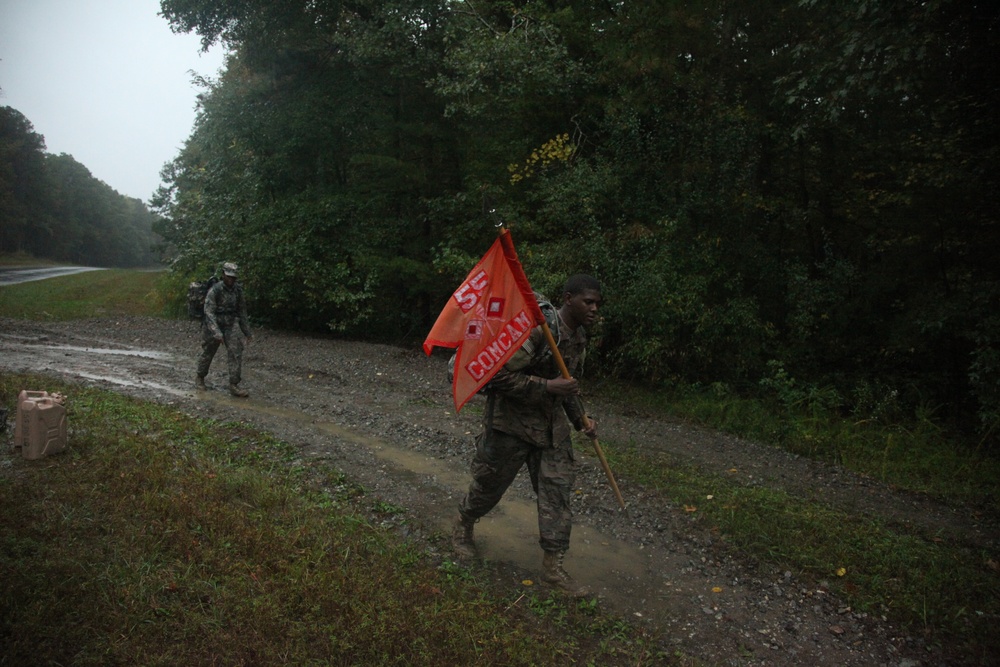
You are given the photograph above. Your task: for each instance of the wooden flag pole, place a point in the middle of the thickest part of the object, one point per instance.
(586, 420)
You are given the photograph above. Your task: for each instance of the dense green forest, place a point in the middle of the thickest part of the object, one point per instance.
(794, 198)
(52, 207)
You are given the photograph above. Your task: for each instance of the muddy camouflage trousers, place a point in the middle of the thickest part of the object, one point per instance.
(499, 457)
(234, 352)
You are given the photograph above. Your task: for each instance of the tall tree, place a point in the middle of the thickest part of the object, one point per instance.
(23, 182)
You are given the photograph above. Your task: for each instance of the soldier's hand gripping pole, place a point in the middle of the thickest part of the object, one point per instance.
(586, 420)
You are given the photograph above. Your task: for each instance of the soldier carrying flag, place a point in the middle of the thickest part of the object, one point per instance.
(533, 396)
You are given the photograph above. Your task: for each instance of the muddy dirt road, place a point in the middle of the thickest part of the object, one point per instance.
(384, 417)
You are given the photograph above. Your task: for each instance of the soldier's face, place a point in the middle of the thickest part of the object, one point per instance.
(582, 308)
(228, 280)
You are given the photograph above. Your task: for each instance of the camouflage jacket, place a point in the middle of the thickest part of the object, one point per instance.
(519, 403)
(225, 306)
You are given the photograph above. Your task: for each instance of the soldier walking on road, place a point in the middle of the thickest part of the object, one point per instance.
(225, 307)
(527, 423)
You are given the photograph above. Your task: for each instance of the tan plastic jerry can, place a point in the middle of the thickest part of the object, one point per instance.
(40, 429)
(19, 424)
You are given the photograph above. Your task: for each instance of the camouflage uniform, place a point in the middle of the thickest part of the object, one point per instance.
(523, 424)
(224, 307)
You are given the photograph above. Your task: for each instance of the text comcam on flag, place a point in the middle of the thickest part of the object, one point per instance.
(488, 318)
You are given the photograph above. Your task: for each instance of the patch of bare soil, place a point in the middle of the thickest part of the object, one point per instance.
(384, 416)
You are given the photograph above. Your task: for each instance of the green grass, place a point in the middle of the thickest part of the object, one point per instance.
(915, 456)
(931, 586)
(105, 293)
(157, 538)
(945, 590)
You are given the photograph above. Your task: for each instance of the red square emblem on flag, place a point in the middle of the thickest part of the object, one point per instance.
(494, 307)
(474, 330)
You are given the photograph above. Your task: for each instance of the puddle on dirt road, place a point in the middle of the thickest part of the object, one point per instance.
(72, 359)
(140, 384)
(145, 354)
(510, 532)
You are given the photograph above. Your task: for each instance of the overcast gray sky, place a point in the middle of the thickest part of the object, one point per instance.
(105, 81)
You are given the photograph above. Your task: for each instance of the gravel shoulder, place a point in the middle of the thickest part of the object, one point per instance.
(384, 417)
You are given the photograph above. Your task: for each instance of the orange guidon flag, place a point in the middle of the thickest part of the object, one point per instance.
(488, 318)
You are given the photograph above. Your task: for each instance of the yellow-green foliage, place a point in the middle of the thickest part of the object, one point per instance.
(554, 150)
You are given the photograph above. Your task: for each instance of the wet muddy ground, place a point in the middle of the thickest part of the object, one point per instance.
(384, 416)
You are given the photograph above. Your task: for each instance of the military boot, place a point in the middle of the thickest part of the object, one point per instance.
(199, 383)
(461, 538)
(235, 390)
(554, 575)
